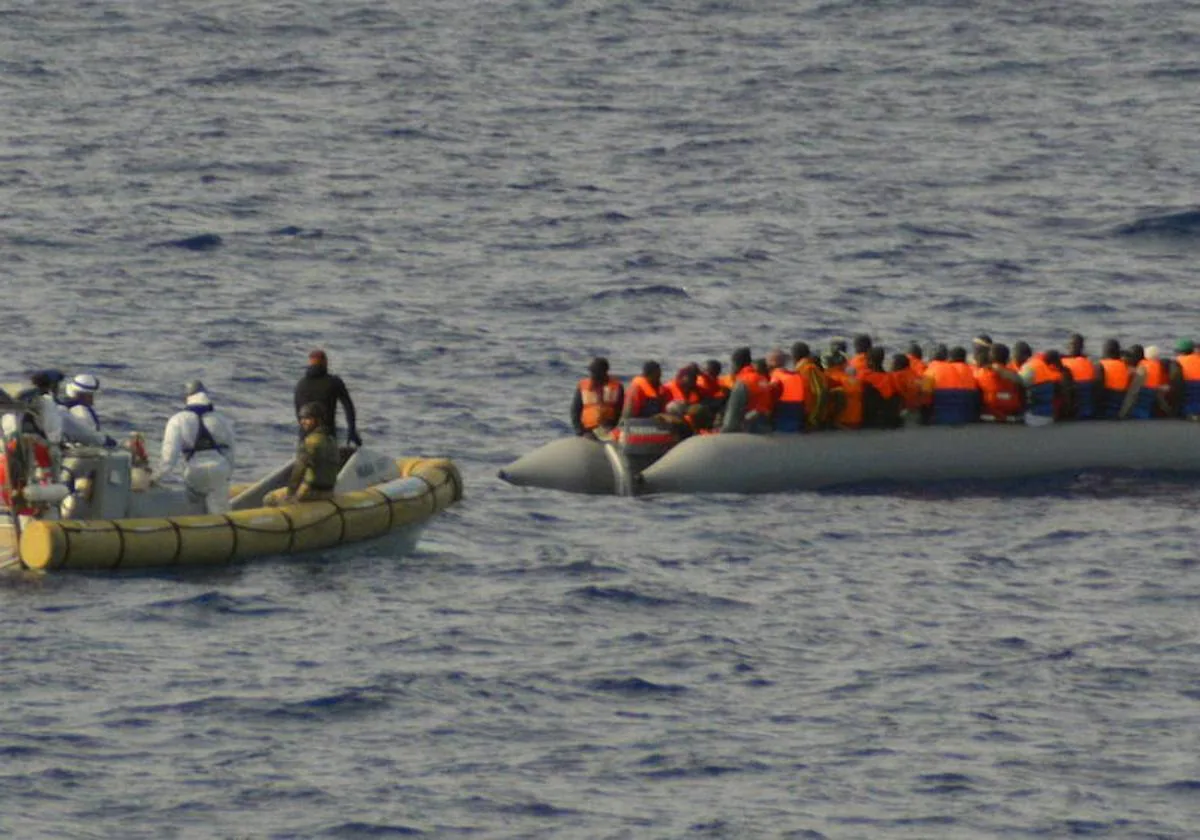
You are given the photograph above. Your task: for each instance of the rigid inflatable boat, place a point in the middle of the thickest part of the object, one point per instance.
(773, 463)
(110, 517)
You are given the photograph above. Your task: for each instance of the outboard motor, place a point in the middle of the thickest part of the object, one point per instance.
(644, 440)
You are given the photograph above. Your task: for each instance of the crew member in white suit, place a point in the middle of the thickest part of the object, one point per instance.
(200, 440)
(80, 423)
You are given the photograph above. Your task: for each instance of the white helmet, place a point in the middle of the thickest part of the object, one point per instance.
(83, 383)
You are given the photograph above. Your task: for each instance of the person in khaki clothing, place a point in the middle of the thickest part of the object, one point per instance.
(317, 462)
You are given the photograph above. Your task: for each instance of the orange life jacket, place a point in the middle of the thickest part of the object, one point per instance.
(858, 365)
(1043, 390)
(791, 413)
(1001, 398)
(644, 399)
(954, 392)
(908, 386)
(815, 388)
(1156, 377)
(601, 406)
(1116, 383)
(711, 388)
(916, 364)
(675, 393)
(850, 416)
(760, 396)
(1189, 365)
(882, 382)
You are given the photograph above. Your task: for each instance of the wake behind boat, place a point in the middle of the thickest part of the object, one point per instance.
(775, 463)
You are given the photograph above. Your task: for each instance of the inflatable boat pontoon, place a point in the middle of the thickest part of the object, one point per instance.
(774, 463)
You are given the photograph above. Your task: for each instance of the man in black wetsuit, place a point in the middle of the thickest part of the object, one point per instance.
(319, 386)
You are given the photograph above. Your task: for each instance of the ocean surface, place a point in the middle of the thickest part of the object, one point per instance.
(463, 201)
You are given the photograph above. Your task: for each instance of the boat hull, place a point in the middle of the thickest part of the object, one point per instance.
(393, 512)
(746, 463)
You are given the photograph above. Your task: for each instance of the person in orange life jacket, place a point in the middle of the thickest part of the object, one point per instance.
(955, 397)
(1041, 390)
(940, 358)
(846, 390)
(1002, 392)
(1064, 394)
(1116, 378)
(647, 397)
(708, 382)
(815, 387)
(791, 409)
(860, 362)
(682, 388)
(908, 385)
(881, 398)
(1185, 377)
(759, 404)
(916, 359)
(1153, 388)
(597, 402)
(1087, 379)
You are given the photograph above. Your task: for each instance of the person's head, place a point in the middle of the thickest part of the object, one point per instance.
(958, 354)
(982, 354)
(1111, 349)
(899, 362)
(800, 350)
(598, 369)
(1137, 352)
(712, 368)
(1153, 353)
(194, 393)
(1075, 345)
(686, 377)
(999, 354)
(1022, 352)
(776, 358)
(1129, 357)
(982, 340)
(653, 372)
(1053, 358)
(875, 357)
(740, 358)
(833, 360)
(862, 343)
(941, 353)
(760, 365)
(311, 415)
(1184, 346)
(83, 388)
(838, 345)
(46, 381)
(317, 359)
(915, 351)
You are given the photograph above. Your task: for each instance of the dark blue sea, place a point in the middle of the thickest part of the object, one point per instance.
(462, 202)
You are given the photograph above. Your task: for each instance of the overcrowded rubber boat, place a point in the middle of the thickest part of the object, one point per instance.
(774, 463)
(109, 517)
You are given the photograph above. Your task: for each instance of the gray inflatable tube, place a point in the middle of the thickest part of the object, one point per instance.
(744, 463)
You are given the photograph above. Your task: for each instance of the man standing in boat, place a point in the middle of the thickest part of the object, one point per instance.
(319, 386)
(201, 439)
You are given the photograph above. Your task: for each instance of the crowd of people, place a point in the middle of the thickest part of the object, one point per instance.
(199, 442)
(853, 386)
